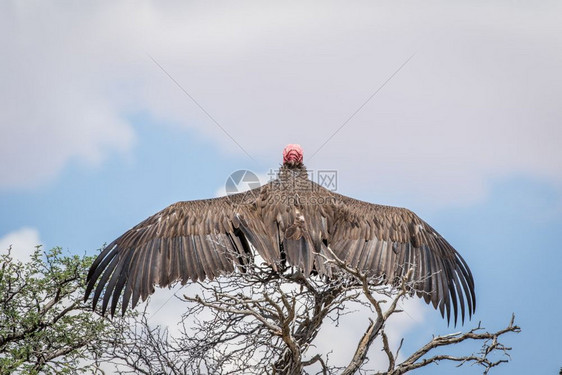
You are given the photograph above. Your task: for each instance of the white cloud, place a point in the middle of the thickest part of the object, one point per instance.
(23, 242)
(479, 99)
(56, 96)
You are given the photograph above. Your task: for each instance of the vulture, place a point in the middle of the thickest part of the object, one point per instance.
(290, 220)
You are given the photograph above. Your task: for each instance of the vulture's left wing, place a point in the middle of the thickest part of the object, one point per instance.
(387, 241)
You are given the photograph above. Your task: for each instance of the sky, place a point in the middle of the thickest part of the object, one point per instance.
(111, 111)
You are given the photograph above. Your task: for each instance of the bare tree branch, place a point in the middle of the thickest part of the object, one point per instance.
(490, 345)
(266, 321)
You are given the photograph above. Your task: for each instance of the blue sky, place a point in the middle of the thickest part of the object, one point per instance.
(95, 137)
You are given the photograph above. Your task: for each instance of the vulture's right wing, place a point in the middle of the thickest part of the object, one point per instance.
(187, 240)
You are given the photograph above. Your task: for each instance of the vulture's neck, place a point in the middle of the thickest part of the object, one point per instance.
(293, 171)
(293, 176)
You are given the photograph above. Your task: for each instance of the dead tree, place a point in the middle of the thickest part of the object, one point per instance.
(264, 321)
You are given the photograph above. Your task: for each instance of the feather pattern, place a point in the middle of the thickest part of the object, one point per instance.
(290, 218)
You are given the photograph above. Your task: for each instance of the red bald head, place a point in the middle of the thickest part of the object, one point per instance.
(292, 155)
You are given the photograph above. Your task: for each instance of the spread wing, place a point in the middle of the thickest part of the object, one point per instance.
(387, 241)
(207, 238)
(187, 240)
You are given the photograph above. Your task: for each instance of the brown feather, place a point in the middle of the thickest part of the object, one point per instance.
(207, 238)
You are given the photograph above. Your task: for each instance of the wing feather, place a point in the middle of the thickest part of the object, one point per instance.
(116, 277)
(140, 274)
(105, 277)
(190, 270)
